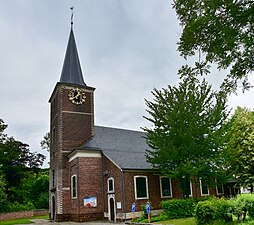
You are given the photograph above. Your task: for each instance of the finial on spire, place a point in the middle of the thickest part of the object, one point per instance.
(72, 8)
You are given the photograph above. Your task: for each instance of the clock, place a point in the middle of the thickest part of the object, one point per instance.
(77, 96)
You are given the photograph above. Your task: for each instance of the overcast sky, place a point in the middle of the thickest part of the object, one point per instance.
(126, 49)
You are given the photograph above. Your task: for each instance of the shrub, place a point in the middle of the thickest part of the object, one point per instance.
(179, 208)
(16, 207)
(245, 203)
(214, 209)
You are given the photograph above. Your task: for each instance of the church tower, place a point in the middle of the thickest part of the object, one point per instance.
(71, 124)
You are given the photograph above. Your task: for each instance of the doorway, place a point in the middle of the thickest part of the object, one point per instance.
(53, 212)
(112, 210)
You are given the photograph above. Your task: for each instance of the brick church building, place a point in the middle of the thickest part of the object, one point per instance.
(99, 172)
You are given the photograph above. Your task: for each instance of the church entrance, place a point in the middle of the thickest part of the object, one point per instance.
(112, 216)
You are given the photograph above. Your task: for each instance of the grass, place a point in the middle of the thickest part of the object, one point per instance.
(184, 221)
(22, 221)
(191, 221)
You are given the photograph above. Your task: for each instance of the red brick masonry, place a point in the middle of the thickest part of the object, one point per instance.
(24, 214)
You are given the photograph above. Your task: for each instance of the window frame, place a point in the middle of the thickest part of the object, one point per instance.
(221, 193)
(135, 187)
(72, 188)
(170, 187)
(191, 193)
(53, 178)
(201, 188)
(113, 185)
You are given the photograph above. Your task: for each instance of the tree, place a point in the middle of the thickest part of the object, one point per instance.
(35, 188)
(16, 161)
(3, 196)
(240, 147)
(45, 142)
(187, 132)
(222, 32)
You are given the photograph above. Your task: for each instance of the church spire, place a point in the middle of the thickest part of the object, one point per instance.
(71, 72)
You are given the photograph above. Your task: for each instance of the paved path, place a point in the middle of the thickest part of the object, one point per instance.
(47, 222)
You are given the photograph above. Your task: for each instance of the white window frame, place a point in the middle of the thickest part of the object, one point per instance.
(170, 183)
(135, 187)
(222, 193)
(201, 189)
(76, 189)
(191, 193)
(113, 185)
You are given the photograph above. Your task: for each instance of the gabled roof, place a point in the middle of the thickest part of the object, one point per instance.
(126, 148)
(71, 72)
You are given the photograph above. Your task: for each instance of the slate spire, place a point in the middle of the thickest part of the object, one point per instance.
(71, 71)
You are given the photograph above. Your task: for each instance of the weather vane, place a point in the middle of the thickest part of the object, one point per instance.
(72, 8)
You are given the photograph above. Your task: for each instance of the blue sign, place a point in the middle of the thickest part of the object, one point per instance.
(148, 210)
(133, 207)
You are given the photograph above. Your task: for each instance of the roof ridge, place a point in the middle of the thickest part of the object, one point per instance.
(116, 128)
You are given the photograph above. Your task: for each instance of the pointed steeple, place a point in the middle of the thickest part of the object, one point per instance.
(71, 72)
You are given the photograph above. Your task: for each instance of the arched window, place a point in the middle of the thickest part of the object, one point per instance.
(111, 187)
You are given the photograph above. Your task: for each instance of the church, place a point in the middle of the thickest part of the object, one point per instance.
(99, 172)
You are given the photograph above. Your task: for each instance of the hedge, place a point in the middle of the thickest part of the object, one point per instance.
(179, 208)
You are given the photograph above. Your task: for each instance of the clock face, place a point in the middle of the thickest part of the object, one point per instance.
(77, 96)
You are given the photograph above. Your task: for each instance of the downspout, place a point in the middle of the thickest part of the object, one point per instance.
(102, 186)
(78, 189)
(124, 206)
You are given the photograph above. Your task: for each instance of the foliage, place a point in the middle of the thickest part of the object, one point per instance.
(17, 163)
(214, 209)
(222, 32)
(179, 208)
(187, 132)
(245, 204)
(240, 147)
(3, 196)
(45, 142)
(17, 207)
(35, 188)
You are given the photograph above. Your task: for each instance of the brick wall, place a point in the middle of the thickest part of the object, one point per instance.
(24, 214)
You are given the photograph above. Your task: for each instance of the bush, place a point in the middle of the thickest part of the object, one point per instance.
(16, 207)
(214, 209)
(205, 212)
(245, 203)
(179, 208)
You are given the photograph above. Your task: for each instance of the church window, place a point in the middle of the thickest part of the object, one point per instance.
(187, 186)
(219, 188)
(74, 186)
(141, 187)
(53, 178)
(53, 136)
(204, 187)
(111, 184)
(166, 188)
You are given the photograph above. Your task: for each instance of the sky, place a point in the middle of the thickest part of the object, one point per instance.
(126, 49)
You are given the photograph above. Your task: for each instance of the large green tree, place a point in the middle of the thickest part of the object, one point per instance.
(16, 162)
(220, 31)
(187, 128)
(240, 147)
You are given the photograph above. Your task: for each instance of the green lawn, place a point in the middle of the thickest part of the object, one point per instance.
(22, 221)
(184, 221)
(191, 221)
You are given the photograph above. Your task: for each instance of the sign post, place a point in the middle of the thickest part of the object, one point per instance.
(148, 211)
(133, 210)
